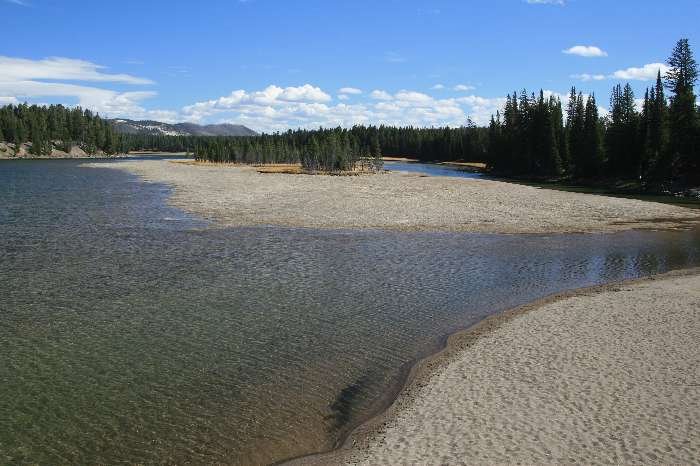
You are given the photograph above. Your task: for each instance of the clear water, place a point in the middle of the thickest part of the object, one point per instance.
(431, 169)
(132, 333)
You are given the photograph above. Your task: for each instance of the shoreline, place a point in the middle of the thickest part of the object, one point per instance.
(450, 348)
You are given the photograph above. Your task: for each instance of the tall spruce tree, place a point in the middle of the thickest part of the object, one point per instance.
(622, 137)
(576, 126)
(683, 114)
(591, 163)
(658, 162)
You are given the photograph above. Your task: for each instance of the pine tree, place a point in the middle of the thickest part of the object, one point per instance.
(376, 152)
(659, 165)
(592, 161)
(576, 128)
(560, 131)
(683, 124)
(622, 138)
(645, 130)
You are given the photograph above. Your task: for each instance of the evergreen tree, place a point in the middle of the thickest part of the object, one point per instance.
(683, 114)
(592, 161)
(576, 120)
(658, 164)
(622, 138)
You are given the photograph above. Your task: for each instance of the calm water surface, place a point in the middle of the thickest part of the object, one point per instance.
(132, 333)
(431, 169)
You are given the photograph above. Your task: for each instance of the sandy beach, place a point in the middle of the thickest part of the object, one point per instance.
(601, 376)
(240, 196)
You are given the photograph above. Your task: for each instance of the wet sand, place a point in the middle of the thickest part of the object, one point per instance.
(607, 375)
(240, 196)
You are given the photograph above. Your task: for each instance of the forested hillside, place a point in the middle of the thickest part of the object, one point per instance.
(57, 127)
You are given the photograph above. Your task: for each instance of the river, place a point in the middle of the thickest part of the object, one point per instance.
(131, 332)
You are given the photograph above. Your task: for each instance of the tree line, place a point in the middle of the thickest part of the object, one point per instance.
(57, 126)
(535, 137)
(327, 150)
(427, 144)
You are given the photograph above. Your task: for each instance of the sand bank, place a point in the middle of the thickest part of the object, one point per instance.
(600, 376)
(240, 196)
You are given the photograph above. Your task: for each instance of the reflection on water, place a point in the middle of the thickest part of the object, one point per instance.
(132, 333)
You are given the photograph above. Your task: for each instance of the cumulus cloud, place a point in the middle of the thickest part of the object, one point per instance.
(268, 97)
(380, 95)
(589, 77)
(404, 107)
(412, 97)
(647, 72)
(350, 90)
(463, 88)
(587, 51)
(438, 87)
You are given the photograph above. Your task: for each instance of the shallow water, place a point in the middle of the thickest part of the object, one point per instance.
(431, 169)
(132, 333)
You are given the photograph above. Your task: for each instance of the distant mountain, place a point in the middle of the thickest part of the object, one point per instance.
(179, 129)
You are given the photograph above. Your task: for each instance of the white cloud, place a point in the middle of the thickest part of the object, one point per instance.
(60, 69)
(463, 88)
(350, 90)
(589, 77)
(587, 51)
(380, 95)
(24, 79)
(105, 101)
(647, 72)
(438, 87)
(343, 97)
(405, 107)
(412, 97)
(269, 97)
(305, 93)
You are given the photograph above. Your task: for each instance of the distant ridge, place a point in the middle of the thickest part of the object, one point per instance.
(125, 126)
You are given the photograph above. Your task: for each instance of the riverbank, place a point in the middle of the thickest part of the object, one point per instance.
(596, 376)
(240, 196)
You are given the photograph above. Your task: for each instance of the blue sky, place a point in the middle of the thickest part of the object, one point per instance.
(275, 64)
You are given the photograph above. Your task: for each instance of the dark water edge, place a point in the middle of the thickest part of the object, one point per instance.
(132, 333)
